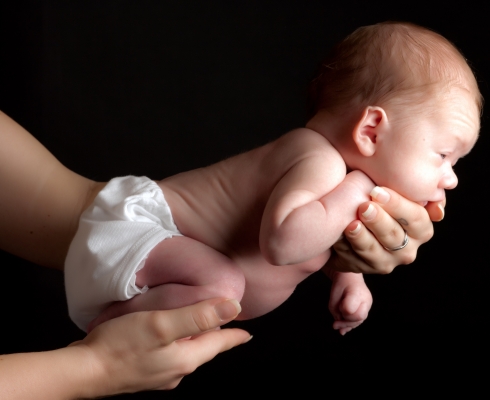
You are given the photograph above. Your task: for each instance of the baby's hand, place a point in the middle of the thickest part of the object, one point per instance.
(350, 301)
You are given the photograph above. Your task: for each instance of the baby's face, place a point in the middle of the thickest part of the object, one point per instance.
(417, 161)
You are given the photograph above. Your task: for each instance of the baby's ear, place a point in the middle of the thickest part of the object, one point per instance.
(372, 123)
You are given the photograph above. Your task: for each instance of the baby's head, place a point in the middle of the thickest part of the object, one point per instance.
(401, 104)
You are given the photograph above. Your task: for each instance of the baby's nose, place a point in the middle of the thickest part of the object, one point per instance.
(450, 180)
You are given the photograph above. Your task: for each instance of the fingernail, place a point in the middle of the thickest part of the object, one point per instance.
(442, 211)
(370, 212)
(227, 309)
(380, 195)
(356, 229)
(248, 339)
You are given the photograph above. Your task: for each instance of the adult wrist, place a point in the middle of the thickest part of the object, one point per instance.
(88, 379)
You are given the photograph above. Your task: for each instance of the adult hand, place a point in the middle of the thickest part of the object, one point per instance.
(146, 350)
(383, 223)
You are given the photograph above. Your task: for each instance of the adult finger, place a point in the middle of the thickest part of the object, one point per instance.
(193, 353)
(388, 232)
(411, 216)
(436, 210)
(376, 259)
(382, 225)
(348, 256)
(192, 320)
(205, 347)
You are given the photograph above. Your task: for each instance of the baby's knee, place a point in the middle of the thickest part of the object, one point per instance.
(231, 284)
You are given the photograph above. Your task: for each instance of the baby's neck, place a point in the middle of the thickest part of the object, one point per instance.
(338, 131)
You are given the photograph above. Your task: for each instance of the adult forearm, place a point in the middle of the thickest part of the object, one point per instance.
(40, 199)
(52, 375)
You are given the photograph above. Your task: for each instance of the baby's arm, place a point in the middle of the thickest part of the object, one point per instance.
(350, 300)
(312, 204)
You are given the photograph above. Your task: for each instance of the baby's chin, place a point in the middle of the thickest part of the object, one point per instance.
(424, 203)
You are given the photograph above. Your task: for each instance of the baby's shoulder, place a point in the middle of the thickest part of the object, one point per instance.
(304, 142)
(304, 139)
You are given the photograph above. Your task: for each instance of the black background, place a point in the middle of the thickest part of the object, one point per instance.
(158, 87)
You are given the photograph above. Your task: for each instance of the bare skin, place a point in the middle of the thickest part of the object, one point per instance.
(278, 227)
(300, 206)
(45, 197)
(231, 223)
(41, 202)
(266, 235)
(136, 352)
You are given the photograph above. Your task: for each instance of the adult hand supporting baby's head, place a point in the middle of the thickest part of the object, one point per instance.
(381, 226)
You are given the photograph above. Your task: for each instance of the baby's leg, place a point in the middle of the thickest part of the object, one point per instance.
(180, 271)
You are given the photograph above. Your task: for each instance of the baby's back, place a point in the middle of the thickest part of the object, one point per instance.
(222, 204)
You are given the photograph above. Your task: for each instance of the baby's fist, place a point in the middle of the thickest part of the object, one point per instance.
(350, 301)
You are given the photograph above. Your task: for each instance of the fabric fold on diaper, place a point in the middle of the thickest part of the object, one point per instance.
(127, 219)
